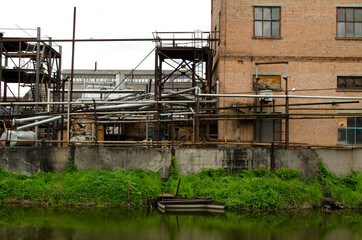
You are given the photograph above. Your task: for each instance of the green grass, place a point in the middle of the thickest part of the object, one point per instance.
(96, 186)
(258, 188)
(255, 189)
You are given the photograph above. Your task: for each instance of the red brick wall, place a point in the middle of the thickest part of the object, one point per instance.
(308, 41)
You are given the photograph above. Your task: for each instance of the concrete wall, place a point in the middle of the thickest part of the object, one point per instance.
(123, 159)
(28, 160)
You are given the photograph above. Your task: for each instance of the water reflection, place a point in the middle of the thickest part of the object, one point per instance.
(115, 223)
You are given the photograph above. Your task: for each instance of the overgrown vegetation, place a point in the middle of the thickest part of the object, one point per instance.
(255, 189)
(76, 187)
(347, 190)
(258, 188)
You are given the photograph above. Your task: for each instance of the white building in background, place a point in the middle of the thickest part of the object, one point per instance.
(140, 80)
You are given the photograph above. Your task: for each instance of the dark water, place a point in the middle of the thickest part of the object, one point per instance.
(115, 223)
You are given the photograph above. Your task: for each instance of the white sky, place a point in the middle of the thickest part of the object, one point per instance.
(104, 19)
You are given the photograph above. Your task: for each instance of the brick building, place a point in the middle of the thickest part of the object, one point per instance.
(321, 40)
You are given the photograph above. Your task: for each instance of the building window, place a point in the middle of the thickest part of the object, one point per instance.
(352, 134)
(264, 129)
(349, 82)
(349, 22)
(266, 22)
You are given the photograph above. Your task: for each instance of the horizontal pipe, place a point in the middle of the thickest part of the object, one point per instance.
(102, 91)
(122, 106)
(39, 123)
(102, 102)
(269, 63)
(278, 96)
(109, 40)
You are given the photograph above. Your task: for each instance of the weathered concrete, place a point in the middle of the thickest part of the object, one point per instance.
(123, 159)
(29, 160)
(303, 159)
(341, 162)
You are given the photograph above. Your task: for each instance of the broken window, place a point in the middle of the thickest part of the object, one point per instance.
(267, 22)
(349, 22)
(352, 134)
(267, 82)
(349, 82)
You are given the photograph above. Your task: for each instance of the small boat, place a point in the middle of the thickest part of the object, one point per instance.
(169, 203)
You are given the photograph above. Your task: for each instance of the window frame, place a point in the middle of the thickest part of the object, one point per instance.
(345, 21)
(345, 78)
(353, 128)
(271, 21)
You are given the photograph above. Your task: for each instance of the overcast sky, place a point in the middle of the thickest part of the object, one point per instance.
(104, 19)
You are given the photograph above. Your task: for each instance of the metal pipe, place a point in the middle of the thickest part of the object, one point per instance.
(269, 63)
(105, 102)
(1, 63)
(122, 106)
(39, 123)
(104, 91)
(112, 39)
(70, 84)
(37, 79)
(20, 120)
(279, 96)
(48, 99)
(183, 101)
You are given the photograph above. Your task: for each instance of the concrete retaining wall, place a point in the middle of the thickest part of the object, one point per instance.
(30, 160)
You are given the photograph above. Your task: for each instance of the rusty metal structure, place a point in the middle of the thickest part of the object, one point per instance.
(35, 64)
(186, 58)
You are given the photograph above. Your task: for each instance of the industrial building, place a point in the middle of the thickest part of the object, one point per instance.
(279, 73)
(291, 48)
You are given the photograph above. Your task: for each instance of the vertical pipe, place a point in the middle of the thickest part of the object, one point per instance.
(273, 121)
(70, 84)
(287, 109)
(19, 73)
(225, 130)
(261, 124)
(147, 127)
(197, 119)
(95, 122)
(1, 63)
(37, 77)
(73, 46)
(172, 137)
(48, 99)
(156, 131)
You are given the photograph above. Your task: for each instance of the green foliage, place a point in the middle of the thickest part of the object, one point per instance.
(347, 190)
(258, 188)
(260, 172)
(214, 173)
(96, 186)
(71, 166)
(174, 173)
(287, 174)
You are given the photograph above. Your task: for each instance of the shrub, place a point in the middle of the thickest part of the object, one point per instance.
(287, 174)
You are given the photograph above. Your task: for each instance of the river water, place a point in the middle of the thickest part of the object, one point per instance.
(116, 223)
